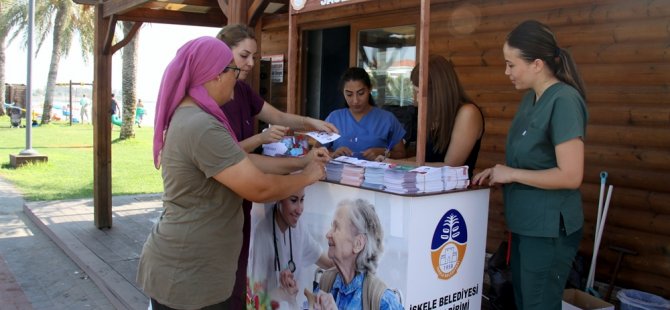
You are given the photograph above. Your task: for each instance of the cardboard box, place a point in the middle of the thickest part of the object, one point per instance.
(577, 300)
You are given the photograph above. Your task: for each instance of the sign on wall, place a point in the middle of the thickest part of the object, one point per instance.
(277, 67)
(302, 6)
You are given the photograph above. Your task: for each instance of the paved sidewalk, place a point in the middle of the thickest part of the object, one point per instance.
(34, 272)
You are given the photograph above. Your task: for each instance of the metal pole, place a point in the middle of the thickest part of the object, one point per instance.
(29, 72)
(70, 102)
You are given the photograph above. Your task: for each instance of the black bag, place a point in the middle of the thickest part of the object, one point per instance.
(501, 292)
(576, 278)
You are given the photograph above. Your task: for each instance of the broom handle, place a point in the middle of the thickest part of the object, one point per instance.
(599, 235)
(592, 269)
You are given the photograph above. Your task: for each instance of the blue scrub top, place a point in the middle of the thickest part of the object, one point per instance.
(378, 128)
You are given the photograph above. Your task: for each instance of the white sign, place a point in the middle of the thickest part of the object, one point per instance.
(434, 245)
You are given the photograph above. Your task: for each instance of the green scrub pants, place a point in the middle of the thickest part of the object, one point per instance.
(540, 268)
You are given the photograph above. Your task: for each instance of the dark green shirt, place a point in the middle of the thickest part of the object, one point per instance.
(558, 116)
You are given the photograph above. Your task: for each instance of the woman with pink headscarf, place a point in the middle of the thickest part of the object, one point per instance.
(190, 257)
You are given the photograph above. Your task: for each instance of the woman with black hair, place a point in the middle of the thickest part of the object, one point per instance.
(366, 131)
(544, 166)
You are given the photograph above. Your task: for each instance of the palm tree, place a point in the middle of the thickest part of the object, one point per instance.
(13, 16)
(128, 86)
(66, 19)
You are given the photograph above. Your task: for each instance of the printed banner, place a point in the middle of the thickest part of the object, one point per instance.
(433, 246)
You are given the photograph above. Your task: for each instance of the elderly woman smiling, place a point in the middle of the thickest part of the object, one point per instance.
(355, 245)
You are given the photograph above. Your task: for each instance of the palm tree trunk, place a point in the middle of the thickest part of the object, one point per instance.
(3, 36)
(2, 67)
(129, 81)
(59, 27)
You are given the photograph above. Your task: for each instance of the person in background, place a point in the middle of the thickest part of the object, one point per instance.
(190, 257)
(455, 125)
(83, 106)
(241, 111)
(282, 248)
(355, 244)
(544, 166)
(366, 131)
(114, 106)
(139, 113)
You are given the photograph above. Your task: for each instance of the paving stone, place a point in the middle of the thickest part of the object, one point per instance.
(45, 277)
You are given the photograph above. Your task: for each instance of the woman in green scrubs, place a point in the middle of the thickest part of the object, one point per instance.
(544, 166)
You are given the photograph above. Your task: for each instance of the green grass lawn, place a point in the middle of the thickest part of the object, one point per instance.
(68, 174)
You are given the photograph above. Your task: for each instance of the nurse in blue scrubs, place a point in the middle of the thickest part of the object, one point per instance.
(366, 130)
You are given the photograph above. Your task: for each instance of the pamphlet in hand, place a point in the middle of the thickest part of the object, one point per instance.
(323, 137)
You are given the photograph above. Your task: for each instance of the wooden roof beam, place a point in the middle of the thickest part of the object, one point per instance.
(223, 4)
(86, 2)
(107, 45)
(113, 7)
(256, 10)
(131, 34)
(237, 12)
(213, 18)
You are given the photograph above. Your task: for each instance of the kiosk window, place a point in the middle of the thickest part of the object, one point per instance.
(388, 55)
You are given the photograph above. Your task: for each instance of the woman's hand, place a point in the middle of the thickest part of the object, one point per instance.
(319, 125)
(342, 151)
(498, 174)
(372, 153)
(273, 133)
(319, 154)
(325, 301)
(315, 171)
(288, 282)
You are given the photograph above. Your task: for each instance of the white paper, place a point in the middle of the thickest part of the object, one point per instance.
(323, 137)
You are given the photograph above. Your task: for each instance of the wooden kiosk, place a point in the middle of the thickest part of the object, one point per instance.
(435, 244)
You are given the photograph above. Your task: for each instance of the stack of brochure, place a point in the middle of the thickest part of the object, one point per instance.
(334, 171)
(352, 175)
(428, 179)
(374, 174)
(455, 177)
(400, 179)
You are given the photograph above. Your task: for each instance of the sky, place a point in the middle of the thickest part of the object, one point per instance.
(158, 45)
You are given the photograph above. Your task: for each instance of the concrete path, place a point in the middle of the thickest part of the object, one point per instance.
(34, 272)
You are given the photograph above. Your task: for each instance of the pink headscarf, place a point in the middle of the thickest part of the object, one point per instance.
(197, 62)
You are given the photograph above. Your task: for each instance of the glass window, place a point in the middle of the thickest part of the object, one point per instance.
(388, 55)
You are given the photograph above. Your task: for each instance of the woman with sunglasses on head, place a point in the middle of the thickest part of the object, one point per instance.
(544, 166)
(190, 257)
(247, 104)
(282, 249)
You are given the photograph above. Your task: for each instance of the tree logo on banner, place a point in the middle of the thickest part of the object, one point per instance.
(450, 241)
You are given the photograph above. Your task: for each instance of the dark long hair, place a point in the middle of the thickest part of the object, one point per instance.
(445, 96)
(357, 74)
(536, 41)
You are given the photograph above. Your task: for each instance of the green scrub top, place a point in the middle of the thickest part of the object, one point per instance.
(558, 116)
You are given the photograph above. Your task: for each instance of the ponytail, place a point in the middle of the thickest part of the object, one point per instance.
(536, 41)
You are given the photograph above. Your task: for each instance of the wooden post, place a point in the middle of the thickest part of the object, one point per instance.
(237, 12)
(102, 131)
(422, 97)
(292, 71)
